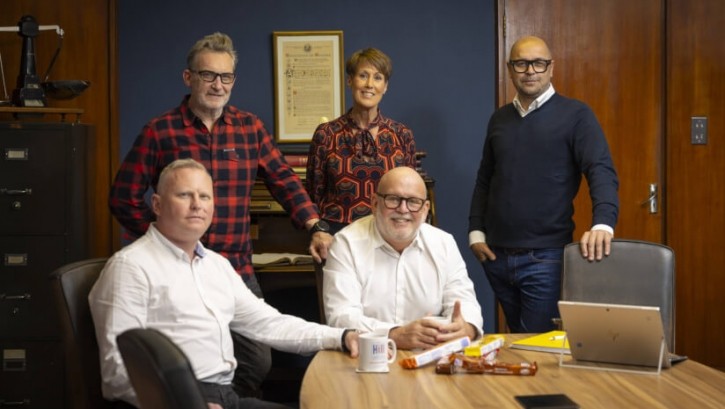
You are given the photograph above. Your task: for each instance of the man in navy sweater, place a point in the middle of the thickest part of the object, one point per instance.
(535, 153)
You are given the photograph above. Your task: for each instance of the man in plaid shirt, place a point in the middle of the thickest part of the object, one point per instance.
(235, 148)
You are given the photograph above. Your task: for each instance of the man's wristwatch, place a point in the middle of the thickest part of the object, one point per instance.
(345, 349)
(321, 225)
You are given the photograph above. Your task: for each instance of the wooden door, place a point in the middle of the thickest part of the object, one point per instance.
(609, 54)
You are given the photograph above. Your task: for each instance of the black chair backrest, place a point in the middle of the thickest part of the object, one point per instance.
(160, 373)
(635, 273)
(72, 283)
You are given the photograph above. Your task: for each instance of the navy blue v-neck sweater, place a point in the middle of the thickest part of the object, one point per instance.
(531, 171)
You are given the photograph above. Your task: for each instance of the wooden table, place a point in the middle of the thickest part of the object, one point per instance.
(331, 382)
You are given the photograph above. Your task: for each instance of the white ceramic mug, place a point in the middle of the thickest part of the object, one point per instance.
(376, 352)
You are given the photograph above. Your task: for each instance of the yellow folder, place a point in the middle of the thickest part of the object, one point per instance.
(552, 341)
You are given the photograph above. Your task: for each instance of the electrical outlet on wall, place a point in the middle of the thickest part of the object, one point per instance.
(698, 130)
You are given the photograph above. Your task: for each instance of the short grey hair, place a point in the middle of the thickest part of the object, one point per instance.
(217, 42)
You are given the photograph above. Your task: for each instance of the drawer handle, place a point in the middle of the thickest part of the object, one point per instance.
(15, 192)
(16, 260)
(16, 403)
(21, 297)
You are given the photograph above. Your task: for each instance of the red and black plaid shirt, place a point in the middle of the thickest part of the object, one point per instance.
(236, 151)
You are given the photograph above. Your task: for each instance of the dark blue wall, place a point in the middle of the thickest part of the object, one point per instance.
(443, 83)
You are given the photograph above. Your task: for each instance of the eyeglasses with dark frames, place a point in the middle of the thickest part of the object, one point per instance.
(210, 76)
(521, 66)
(414, 204)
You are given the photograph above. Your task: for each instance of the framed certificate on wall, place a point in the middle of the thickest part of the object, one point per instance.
(308, 82)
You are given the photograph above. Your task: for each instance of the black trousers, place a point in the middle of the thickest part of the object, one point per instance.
(225, 396)
(254, 359)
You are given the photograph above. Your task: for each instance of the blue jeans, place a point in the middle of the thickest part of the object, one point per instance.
(527, 283)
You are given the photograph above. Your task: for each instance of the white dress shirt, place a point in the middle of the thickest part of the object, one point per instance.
(371, 287)
(153, 284)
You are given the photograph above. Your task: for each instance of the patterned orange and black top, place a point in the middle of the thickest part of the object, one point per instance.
(345, 164)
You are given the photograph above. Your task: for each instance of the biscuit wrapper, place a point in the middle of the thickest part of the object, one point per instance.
(487, 347)
(434, 354)
(460, 363)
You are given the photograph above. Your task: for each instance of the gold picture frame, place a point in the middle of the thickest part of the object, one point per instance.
(308, 82)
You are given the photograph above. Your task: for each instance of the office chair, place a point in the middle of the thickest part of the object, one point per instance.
(159, 371)
(71, 285)
(635, 273)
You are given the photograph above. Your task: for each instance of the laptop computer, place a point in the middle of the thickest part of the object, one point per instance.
(613, 336)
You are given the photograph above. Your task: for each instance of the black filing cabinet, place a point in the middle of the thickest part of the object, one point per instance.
(43, 225)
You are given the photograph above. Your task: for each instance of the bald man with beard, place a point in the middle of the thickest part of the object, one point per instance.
(386, 272)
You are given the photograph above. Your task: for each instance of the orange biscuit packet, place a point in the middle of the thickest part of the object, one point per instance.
(460, 363)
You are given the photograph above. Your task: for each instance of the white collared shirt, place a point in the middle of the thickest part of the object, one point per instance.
(152, 283)
(371, 287)
(536, 104)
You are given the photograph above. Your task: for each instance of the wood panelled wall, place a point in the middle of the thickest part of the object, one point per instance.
(87, 53)
(695, 197)
(694, 200)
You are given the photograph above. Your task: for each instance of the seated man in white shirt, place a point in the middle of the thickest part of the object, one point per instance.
(168, 281)
(389, 270)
